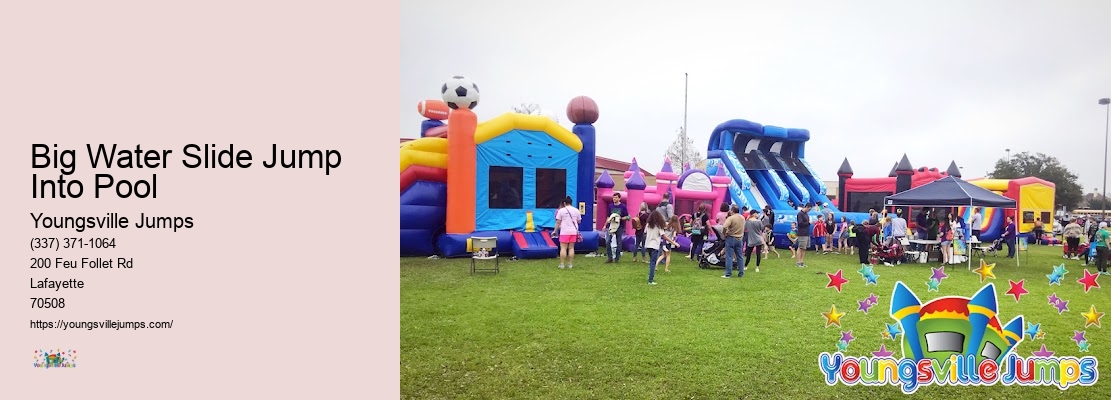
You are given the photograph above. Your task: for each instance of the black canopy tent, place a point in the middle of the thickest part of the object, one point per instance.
(949, 192)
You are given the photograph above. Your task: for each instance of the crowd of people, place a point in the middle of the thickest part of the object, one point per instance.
(1097, 236)
(748, 235)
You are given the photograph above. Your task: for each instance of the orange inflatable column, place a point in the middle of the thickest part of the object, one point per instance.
(461, 170)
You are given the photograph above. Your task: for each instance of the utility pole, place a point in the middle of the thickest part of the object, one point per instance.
(686, 87)
(1107, 122)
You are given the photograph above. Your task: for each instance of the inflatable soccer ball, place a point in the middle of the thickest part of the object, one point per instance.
(460, 92)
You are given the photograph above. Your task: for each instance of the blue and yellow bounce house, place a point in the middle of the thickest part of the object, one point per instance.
(503, 178)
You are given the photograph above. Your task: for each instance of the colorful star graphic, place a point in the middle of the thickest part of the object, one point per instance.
(1092, 317)
(1053, 299)
(1040, 336)
(865, 270)
(873, 299)
(985, 271)
(835, 281)
(1084, 345)
(1017, 289)
(1089, 281)
(833, 317)
(1078, 336)
(1043, 352)
(886, 335)
(1062, 306)
(1054, 279)
(883, 352)
(939, 273)
(864, 305)
(842, 346)
(893, 330)
(870, 279)
(1060, 270)
(933, 284)
(1032, 329)
(847, 337)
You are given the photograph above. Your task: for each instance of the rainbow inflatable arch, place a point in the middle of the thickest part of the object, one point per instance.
(1035, 198)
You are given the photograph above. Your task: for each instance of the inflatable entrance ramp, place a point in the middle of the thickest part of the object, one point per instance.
(539, 244)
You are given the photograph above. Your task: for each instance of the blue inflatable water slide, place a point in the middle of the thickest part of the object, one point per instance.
(768, 167)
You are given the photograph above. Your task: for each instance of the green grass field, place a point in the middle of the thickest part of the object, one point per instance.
(600, 331)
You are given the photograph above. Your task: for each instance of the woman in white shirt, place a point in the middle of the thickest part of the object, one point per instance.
(567, 221)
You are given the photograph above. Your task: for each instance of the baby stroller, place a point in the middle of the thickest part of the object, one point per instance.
(889, 254)
(996, 245)
(715, 254)
(1079, 251)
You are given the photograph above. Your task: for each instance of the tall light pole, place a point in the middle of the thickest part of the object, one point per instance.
(1107, 121)
(686, 87)
(1008, 163)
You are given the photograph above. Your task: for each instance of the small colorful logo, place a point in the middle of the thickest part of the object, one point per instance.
(955, 340)
(55, 359)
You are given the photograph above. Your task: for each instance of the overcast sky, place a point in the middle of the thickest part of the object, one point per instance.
(871, 80)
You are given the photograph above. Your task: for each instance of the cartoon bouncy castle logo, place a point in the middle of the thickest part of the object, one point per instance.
(55, 359)
(955, 341)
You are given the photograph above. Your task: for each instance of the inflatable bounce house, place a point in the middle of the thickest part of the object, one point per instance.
(689, 190)
(502, 178)
(863, 194)
(1035, 197)
(767, 166)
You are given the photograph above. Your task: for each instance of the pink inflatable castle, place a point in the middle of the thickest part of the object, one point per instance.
(688, 191)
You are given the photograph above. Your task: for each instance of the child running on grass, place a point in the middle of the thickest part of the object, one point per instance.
(672, 229)
(769, 242)
(653, 240)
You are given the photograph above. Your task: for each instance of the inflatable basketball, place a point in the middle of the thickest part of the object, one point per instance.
(582, 110)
